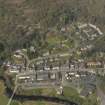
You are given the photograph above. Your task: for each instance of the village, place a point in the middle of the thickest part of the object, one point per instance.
(58, 70)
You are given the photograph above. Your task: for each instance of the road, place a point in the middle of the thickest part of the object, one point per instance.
(9, 102)
(63, 70)
(50, 56)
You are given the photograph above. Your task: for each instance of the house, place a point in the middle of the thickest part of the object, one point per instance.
(94, 64)
(39, 62)
(82, 26)
(55, 68)
(32, 49)
(46, 54)
(96, 28)
(47, 68)
(14, 71)
(24, 77)
(60, 90)
(18, 51)
(63, 29)
(7, 64)
(18, 56)
(14, 68)
(52, 76)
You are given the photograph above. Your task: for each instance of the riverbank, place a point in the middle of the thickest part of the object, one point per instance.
(69, 98)
(4, 99)
(8, 93)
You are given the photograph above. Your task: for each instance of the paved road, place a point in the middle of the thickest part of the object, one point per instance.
(9, 102)
(56, 70)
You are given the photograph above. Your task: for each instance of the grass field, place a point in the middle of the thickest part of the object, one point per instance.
(58, 43)
(38, 103)
(4, 99)
(69, 93)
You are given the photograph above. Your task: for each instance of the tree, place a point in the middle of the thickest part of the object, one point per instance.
(1, 47)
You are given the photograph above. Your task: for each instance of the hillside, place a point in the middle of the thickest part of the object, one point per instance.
(24, 20)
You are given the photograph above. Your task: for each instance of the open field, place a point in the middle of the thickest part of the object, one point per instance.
(4, 99)
(69, 93)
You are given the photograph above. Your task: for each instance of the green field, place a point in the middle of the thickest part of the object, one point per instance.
(69, 93)
(58, 43)
(3, 98)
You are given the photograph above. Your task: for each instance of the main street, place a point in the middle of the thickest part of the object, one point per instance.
(62, 69)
